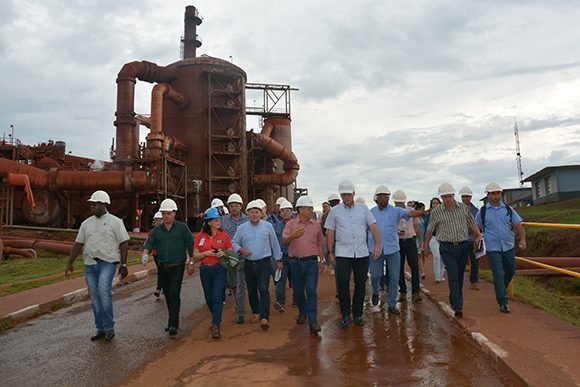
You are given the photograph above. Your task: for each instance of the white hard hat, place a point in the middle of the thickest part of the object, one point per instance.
(262, 203)
(304, 201)
(217, 203)
(168, 205)
(281, 200)
(493, 187)
(333, 196)
(446, 189)
(226, 211)
(399, 196)
(360, 200)
(286, 204)
(100, 197)
(382, 189)
(465, 191)
(254, 204)
(345, 187)
(158, 215)
(235, 198)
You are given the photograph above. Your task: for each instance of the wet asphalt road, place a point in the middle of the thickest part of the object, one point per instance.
(55, 349)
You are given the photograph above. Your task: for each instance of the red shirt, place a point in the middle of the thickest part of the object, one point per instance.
(204, 242)
(309, 243)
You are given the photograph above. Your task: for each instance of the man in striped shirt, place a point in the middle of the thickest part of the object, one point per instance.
(452, 221)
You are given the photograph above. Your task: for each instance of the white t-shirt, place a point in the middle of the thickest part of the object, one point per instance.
(101, 238)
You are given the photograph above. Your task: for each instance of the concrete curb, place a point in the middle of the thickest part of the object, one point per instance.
(68, 299)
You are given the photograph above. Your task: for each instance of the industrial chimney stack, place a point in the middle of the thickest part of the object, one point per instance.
(190, 40)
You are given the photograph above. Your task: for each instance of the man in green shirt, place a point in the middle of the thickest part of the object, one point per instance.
(174, 244)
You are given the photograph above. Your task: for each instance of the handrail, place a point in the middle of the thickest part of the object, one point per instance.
(552, 225)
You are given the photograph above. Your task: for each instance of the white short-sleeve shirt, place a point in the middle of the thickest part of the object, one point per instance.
(350, 226)
(101, 238)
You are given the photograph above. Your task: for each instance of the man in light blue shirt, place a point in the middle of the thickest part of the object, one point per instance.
(347, 224)
(496, 221)
(387, 217)
(257, 242)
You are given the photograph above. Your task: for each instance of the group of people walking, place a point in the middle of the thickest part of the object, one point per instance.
(288, 246)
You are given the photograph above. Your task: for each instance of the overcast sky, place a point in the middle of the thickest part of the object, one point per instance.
(407, 95)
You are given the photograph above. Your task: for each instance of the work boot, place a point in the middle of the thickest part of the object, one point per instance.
(301, 319)
(359, 321)
(459, 313)
(109, 335)
(393, 310)
(172, 331)
(264, 324)
(314, 327)
(504, 308)
(100, 335)
(215, 332)
(375, 299)
(239, 320)
(345, 322)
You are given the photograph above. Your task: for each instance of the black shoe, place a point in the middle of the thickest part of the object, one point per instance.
(109, 335)
(240, 320)
(459, 313)
(417, 297)
(393, 310)
(100, 335)
(301, 319)
(314, 327)
(166, 329)
(157, 293)
(504, 308)
(375, 299)
(359, 321)
(215, 332)
(345, 322)
(172, 331)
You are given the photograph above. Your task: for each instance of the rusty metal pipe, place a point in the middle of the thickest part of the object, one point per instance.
(276, 150)
(127, 136)
(159, 91)
(54, 180)
(20, 180)
(57, 247)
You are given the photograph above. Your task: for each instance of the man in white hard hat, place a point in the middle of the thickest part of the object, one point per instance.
(306, 245)
(276, 210)
(466, 195)
(105, 242)
(219, 204)
(174, 244)
(388, 218)
(257, 242)
(347, 225)
(451, 221)
(230, 224)
(285, 214)
(497, 221)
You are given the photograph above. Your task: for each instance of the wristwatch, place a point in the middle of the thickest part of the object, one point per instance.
(123, 265)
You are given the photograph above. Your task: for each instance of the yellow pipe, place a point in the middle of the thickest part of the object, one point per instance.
(549, 267)
(552, 225)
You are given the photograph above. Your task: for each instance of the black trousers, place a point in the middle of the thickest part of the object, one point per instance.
(171, 278)
(359, 267)
(408, 249)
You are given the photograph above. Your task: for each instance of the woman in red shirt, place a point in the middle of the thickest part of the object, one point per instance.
(209, 246)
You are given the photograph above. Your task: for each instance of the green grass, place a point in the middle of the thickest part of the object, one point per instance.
(562, 212)
(14, 271)
(547, 294)
(6, 324)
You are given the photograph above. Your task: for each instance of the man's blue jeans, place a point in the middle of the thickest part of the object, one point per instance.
(213, 281)
(393, 269)
(281, 285)
(304, 284)
(455, 259)
(258, 282)
(503, 267)
(99, 279)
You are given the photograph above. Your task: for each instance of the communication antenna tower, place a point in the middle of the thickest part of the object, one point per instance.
(518, 153)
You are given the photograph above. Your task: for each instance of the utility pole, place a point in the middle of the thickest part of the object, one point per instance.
(518, 153)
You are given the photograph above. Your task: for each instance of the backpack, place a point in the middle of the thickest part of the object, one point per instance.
(509, 212)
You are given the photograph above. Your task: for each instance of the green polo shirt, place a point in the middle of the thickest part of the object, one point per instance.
(173, 244)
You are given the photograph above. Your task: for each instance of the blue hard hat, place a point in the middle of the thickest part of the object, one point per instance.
(211, 213)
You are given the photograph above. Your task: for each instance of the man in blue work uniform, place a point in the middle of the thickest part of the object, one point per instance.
(387, 217)
(496, 221)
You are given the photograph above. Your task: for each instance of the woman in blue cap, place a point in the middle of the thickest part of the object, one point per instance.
(208, 248)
